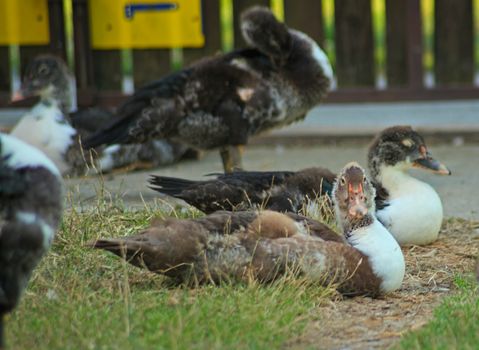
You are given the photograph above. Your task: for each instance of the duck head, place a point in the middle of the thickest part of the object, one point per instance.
(402, 148)
(49, 78)
(353, 196)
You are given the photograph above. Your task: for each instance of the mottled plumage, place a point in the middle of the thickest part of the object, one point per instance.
(240, 190)
(30, 211)
(222, 100)
(58, 133)
(266, 244)
(391, 154)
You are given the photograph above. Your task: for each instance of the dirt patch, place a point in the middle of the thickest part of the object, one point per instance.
(365, 323)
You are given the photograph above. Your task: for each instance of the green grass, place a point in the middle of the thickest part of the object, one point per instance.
(455, 324)
(81, 298)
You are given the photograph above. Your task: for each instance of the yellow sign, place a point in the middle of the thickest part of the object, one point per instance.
(119, 24)
(24, 22)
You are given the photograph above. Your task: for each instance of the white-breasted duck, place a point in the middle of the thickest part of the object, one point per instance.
(30, 212)
(221, 101)
(366, 259)
(58, 129)
(409, 208)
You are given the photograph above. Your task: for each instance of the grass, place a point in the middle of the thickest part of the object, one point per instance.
(455, 324)
(84, 298)
(89, 299)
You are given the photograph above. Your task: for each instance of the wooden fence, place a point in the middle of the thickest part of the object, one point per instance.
(99, 77)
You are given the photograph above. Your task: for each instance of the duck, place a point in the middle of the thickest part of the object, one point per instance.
(221, 101)
(242, 190)
(60, 127)
(411, 209)
(31, 202)
(364, 260)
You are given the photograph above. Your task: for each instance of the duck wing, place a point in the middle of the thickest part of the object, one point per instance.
(382, 196)
(240, 189)
(133, 124)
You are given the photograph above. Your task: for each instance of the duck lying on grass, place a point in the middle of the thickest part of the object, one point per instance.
(221, 101)
(410, 209)
(30, 211)
(51, 127)
(264, 245)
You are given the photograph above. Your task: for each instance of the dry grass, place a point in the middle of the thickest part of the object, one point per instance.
(363, 322)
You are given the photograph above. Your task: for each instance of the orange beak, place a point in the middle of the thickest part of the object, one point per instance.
(356, 206)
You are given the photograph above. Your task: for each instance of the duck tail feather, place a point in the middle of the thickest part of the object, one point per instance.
(171, 186)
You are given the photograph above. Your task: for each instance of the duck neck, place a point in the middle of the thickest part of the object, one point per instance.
(350, 226)
(62, 94)
(385, 257)
(394, 178)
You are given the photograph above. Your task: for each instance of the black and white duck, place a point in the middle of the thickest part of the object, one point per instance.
(53, 126)
(221, 101)
(30, 212)
(410, 209)
(366, 259)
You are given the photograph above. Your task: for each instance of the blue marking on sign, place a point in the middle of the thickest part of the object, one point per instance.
(130, 9)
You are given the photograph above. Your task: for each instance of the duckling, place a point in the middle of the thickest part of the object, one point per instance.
(366, 259)
(408, 207)
(220, 101)
(58, 132)
(30, 211)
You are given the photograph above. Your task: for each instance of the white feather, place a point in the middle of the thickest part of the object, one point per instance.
(45, 127)
(22, 155)
(384, 253)
(414, 214)
(317, 53)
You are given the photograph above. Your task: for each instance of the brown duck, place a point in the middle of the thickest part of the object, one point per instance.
(264, 245)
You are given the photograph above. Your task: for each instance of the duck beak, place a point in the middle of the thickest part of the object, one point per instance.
(357, 208)
(426, 161)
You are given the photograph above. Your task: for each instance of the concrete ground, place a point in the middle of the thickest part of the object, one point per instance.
(330, 136)
(459, 191)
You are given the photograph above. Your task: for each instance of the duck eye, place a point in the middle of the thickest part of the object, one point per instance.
(343, 181)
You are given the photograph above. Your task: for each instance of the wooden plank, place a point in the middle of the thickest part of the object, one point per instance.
(238, 7)
(4, 70)
(210, 10)
(306, 16)
(414, 44)
(396, 43)
(57, 45)
(107, 69)
(150, 65)
(57, 28)
(81, 38)
(453, 42)
(354, 43)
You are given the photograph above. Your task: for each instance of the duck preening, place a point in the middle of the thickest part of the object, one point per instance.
(30, 211)
(265, 244)
(408, 207)
(55, 127)
(221, 101)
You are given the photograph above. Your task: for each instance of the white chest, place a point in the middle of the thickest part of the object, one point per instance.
(384, 253)
(414, 214)
(45, 128)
